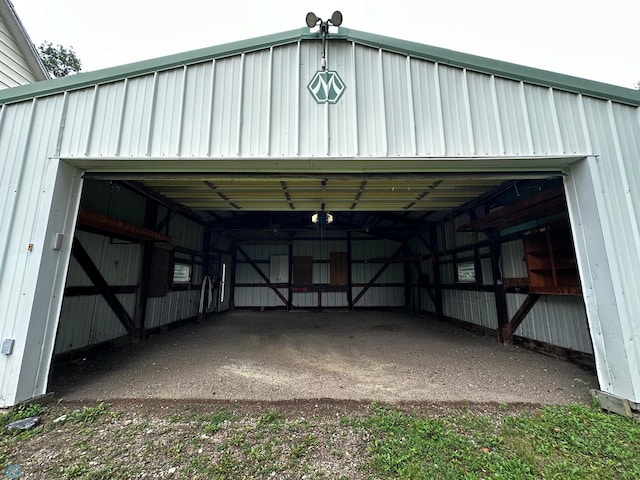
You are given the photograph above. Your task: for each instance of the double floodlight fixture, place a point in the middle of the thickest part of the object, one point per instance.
(313, 20)
(323, 218)
(335, 20)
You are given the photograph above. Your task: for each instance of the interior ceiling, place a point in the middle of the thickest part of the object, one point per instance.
(253, 207)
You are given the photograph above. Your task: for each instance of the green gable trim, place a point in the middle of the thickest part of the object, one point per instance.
(496, 67)
(97, 77)
(417, 50)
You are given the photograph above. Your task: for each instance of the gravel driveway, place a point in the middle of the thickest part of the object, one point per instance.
(361, 355)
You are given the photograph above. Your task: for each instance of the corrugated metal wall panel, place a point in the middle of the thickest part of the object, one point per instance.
(512, 261)
(106, 326)
(137, 116)
(381, 297)
(485, 118)
(226, 112)
(427, 108)
(196, 111)
(334, 300)
(256, 104)
(258, 297)
(74, 326)
(487, 276)
(285, 98)
(398, 105)
(342, 141)
(570, 123)
(372, 130)
(514, 119)
(307, 299)
(473, 307)
(558, 320)
(543, 120)
(455, 111)
(374, 249)
(245, 273)
(447, 273)
(312, 120)
(178, 305)
(88, 321)
(186, 233)
(364, 272)
(167, 121)
(321, 273)
(105, 120)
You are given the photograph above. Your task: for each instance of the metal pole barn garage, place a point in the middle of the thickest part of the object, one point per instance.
(320, 169)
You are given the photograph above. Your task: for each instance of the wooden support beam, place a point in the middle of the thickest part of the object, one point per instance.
(109, 225)
(509, 329)
(495, 249)
(349, 272)
(375, 277)
(263, 276)
(98, 280)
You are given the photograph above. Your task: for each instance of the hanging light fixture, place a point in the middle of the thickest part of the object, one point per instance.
(323, 218)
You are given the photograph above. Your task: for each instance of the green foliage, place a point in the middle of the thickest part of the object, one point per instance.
(19, 412)
(87, 414)
(572, 442)
(59, 61)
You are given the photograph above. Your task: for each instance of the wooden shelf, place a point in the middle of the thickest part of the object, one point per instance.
(551, 262)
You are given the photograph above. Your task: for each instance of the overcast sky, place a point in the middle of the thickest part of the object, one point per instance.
(586, 38)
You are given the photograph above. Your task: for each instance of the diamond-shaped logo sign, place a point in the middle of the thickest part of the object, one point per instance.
(326, 86)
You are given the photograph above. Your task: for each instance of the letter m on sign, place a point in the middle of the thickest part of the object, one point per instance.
(326, 86)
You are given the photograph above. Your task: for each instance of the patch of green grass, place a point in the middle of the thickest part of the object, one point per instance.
(213, 421)
(573, 442)
(21, 411)
(270, 417)
(87, 415)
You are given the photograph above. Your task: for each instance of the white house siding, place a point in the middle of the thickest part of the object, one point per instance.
(14, 68)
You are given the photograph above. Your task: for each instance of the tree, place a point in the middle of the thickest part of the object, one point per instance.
(59, 61)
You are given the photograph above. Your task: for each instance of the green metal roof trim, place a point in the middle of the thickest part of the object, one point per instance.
(88, 79)
(497, 67)
(416, 50)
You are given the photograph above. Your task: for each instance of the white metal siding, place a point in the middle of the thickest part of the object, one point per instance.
(558, 320)
(256, 104)
(478, 308)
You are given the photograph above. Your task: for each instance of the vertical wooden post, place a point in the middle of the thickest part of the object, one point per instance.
(290, 280)
(139, 316)
(495, 250)
(349, 273)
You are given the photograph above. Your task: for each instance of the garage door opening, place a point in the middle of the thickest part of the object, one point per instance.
(490, 254)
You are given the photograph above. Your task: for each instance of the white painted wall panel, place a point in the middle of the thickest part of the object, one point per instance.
(512, 260)
(196, 110)
(372, 130)
(380, 297)
(485, 117)
(177, 305)
(514, 119)
(427, 108)
(15, 69)
(473, 307)
(256, 104)
(554, 319)
(398, 105)
(455, 111)
(285, 98)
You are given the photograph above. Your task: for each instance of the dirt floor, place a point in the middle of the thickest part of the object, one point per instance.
(363, 356)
